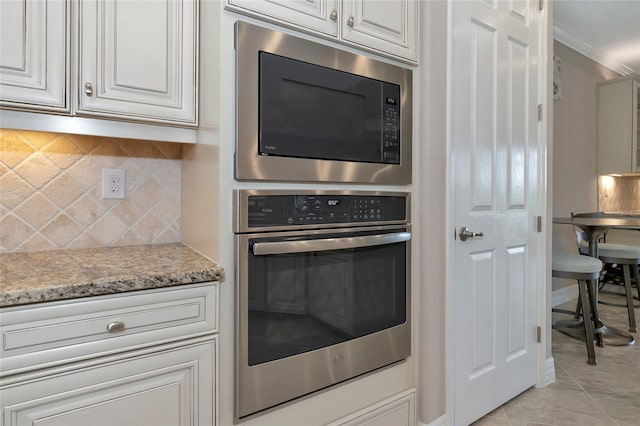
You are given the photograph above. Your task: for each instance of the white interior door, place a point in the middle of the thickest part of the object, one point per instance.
(494, 148)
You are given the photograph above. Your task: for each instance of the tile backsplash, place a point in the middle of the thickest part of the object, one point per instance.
(51, 192)
(619, 194)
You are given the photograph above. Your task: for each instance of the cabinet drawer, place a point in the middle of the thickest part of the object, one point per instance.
(40, 335)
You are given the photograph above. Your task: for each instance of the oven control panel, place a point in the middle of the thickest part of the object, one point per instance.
(291, 209)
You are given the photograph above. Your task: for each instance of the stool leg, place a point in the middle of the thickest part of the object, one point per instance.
(592, 301)
(629, 293)
(587, 321)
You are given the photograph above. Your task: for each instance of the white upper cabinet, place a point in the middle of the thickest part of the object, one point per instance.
(387, 27)
(139, 59)
(34, 60)
(317, 15)
(618, 126)
(133, 61)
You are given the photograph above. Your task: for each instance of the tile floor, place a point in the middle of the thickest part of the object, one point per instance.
(602, 395)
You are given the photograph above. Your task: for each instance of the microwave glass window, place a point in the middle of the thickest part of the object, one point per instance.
(310, 111)
(305, 110)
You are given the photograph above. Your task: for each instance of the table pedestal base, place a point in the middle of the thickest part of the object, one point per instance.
(610, 335)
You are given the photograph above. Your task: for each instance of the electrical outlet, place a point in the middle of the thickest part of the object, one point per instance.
(113, 184)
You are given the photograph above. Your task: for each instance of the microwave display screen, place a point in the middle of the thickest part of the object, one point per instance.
(310, 111)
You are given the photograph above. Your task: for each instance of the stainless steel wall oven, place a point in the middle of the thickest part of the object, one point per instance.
(323, 291)
(314, 113)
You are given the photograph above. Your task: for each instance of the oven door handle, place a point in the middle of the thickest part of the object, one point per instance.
(326, 244)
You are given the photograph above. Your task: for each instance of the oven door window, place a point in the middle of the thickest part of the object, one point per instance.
(299, 302)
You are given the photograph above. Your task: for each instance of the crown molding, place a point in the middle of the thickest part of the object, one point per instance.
(571, 40)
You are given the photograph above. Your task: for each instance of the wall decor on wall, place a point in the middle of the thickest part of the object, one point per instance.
(557, 78)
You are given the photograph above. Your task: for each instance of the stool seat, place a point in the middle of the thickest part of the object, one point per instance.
(618, 251)
(575, 263)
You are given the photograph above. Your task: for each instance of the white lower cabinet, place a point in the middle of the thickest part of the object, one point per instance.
(173, 385)
(398, 410)
(143, 358)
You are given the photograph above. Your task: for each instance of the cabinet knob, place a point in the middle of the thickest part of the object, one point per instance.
(350, 21)
(115, 327)
(88, 89)
(334, 15)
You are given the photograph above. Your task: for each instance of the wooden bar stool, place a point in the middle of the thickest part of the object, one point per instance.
(583, 269)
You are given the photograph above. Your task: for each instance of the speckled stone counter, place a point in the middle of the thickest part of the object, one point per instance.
(47, 276)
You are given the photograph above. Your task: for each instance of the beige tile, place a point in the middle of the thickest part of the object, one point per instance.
(148, 194)
(149, 227)
(85, 240)
(140, 149)
(492, 421)
(61, 230)
(108, 228)
(37, 243)
(624, 406)
(169, 172)
(557, 406)
(37, 140)
(13, 190)
(38, 171)
(170, 149)
(87, 209)
(13, 232)
(86, 173)
(168, 209)
(170, 235)
(37, 210)
(129, 211)
(129, 238)
(64, 180)
(110, 153)
(86, 143)
(63, 190)
(13, 149)
(134, 174)
(62, 152)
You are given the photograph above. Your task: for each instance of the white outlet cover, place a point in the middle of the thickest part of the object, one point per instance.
(113, 184)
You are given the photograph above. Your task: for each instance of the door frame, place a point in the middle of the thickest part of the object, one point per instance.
(545, 373)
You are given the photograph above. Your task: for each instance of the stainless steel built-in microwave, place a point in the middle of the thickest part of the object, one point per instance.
(307, 112)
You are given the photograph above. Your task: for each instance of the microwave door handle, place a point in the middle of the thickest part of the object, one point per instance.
(327, 244)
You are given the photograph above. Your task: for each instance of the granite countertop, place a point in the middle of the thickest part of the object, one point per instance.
(47, 276)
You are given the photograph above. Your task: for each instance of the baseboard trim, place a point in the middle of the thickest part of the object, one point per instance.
(440, 421)
(564, 294)
(549, 374)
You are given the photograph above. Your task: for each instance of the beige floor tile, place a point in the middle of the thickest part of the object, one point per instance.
(606, 394)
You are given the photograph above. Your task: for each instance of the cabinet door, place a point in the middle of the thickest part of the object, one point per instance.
(138, 60)
(172, 387)
(395, 411)
(386, 25)
(617, 126)
(33, 59)
(317, 15)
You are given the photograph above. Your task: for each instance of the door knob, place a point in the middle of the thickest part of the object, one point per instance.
(466, 234)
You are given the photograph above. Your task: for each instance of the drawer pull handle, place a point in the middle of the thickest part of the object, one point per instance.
(115, 326)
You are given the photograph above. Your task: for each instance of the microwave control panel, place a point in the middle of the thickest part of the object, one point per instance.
(290, 210)
(391, 124)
